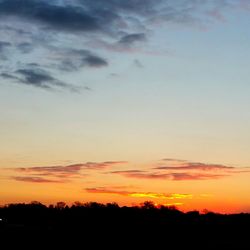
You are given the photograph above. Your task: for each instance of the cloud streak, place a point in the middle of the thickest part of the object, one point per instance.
(102, 190)
(181, 176)
(182, 170)
(73, 168)
(130, 39)
(61, 172)
(38, 78)
(35, 179)
(196, 166)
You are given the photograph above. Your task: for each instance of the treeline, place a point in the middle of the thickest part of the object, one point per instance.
(139, 224)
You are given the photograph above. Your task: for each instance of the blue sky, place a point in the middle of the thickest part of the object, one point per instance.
(185, 79)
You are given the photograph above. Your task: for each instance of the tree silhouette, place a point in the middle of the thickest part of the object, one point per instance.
(60, 205)
(148, 205)
(131, 224)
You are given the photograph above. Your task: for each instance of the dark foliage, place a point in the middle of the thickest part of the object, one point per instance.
(113, 226)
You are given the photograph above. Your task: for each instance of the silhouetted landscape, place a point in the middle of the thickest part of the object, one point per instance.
(98, 224)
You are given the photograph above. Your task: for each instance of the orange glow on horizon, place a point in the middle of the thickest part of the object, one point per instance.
(87, 182)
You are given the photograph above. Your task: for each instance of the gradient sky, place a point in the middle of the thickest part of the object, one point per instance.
(126, 101)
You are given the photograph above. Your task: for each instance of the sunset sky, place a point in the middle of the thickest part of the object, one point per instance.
(126, 101)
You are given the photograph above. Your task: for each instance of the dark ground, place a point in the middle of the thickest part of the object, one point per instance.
(94, 225)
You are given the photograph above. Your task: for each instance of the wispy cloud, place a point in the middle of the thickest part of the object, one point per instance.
(180, 176)
(73, 167)
(39, 78)
(182, 170)
(34, 76)
(68, 59)
(196, 166)
(173, 160)
(130, 39)
(61, 172)
(103, 190)
(36, 179)
(195, 176)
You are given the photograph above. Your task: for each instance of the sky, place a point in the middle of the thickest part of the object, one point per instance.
(126, 101)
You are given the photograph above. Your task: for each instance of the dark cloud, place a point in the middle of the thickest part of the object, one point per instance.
(142, 8)
(37, 77)
(95, 61)
(113, 25)
(40, 78)
(108, 17)
(75, 59)
(8, 76)
(68, 18)
(130, 39)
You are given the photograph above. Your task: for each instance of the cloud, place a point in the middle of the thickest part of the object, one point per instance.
(95, 61)
(41, 78)
(8, 76)
(182, 170)
(72, 170)
(51, 28)
(195, 176)
(103, 190)
(61, 173)
(140, 174)
(51, 15)
(36, 77)
(3, 47)
(129, 6)
(138, 64)
(183, 165)
(130, 39)
(25, 47)
(65, 59)
(182, 176)
(18, 31)
(35, 179)
(68, 59)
